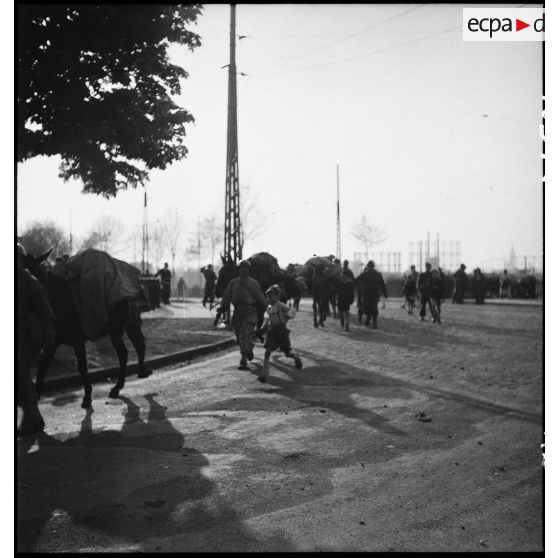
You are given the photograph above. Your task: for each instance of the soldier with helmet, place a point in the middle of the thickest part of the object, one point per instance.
(209, 289)
(460, 279)
(245, 294)
(166, 276)
(35, 331)
(424, 282)
(372, 286)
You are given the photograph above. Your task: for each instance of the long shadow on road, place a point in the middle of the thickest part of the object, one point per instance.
(103, 488)
(345, 389)
(332, 373)
(363, 395)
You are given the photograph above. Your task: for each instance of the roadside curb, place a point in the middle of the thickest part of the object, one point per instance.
(107, 374)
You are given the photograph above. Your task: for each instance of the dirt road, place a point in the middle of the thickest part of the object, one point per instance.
(412, 437)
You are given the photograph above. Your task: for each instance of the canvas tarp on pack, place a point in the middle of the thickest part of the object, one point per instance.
(264, 260)
(265, 268)
(98, 281)
(331, 270)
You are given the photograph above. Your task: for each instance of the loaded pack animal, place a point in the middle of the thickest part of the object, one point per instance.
(294, 271)
(123, 316)
(322, 277)
(265, 269)
(302, 287)
(319, 288)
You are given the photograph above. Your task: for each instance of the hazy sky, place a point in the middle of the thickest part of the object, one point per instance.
(430, 133)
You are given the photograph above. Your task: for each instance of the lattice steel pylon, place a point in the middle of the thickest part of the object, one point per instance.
(233, 241)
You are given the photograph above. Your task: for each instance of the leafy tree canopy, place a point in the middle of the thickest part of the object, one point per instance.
(40, 237)
(95, 86)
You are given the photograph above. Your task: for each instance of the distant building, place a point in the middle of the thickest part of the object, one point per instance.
(511, 264)
(444, 254)
(386, 262)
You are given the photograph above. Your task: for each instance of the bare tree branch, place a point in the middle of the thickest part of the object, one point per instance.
(157, 243)
(252, 218)
(367, 234)
(211, 231)
(107, 234)
(172, 229)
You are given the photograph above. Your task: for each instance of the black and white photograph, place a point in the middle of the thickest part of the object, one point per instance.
(280, 278)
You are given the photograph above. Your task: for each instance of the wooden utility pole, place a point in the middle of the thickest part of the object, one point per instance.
(233, 246)
(338, 247)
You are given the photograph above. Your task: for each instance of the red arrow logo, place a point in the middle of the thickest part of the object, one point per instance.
(519, 25)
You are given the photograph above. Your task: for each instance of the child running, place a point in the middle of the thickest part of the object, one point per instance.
(277, 336)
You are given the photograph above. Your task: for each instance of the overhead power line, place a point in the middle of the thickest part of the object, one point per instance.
(379, 51)
(338, 41)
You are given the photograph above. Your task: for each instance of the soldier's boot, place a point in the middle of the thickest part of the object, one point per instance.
(374, 322)
(243, 364)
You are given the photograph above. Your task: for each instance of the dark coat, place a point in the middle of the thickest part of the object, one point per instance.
(210, 277)
(372, 285)
(345, 295)
(424, 282)
(437, 289)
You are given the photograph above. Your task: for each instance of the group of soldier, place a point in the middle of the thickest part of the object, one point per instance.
(245, 294)
(428, 288)
(165, 276)
(424, 290)
(36, 326)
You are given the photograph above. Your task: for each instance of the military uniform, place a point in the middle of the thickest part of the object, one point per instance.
(436, 296)
(165, 274)
(209, 290)
(478, 286)
(460, 278)
(424, 282)
(410, 290)
(372, 285)
(245, 294)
